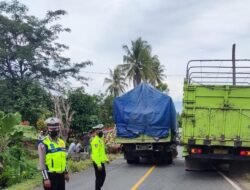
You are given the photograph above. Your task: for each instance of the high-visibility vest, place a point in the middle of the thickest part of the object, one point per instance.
(55, 159)
(98, 153)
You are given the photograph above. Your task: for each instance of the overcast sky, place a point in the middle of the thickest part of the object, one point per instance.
(178, 30)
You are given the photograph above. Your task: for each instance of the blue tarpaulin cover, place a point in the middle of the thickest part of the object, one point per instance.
(144, 110)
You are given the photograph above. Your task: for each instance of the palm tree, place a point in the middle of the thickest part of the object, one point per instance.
(163, 87)
(158, 72)
(116, 82)
(139, 65)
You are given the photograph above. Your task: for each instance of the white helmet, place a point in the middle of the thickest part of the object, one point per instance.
(52, 122)
(53, 125)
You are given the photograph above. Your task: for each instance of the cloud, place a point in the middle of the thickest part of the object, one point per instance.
(178, 31)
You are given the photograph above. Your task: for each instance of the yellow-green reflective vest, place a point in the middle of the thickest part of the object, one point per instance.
(98, 154)
(55, 158)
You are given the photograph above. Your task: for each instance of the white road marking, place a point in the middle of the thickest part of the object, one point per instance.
(229, 181)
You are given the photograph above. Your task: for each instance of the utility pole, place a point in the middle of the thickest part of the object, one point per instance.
(233, 60)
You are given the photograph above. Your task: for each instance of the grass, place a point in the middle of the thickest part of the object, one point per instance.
(28, 184)
(77, 166)
(73, 166)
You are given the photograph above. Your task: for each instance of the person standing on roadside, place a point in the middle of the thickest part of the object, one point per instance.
(72, 148)
(99, 157)
(52, 157)
(86, 141)
(79, 147)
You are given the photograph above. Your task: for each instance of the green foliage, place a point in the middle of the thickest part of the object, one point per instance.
(106, 110)
(40, 124)
(90, 110)
(29, 133)
(8, 133)
(86, 110)
(29, 47)
(28, 98)
(162, 87)
(16, 167)
(12, 156)
(7, 122)
(31, 61)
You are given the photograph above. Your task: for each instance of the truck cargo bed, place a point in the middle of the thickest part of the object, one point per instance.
(217, 103)
(216, 115)
(142, 139)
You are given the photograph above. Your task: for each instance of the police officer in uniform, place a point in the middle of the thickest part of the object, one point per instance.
(52, 157)
(99, 157)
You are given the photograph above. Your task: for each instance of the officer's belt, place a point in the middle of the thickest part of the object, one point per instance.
(56, 150)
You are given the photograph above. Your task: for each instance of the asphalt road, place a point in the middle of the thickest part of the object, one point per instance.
(121, 176)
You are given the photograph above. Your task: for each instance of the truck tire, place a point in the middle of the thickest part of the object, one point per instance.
(135, 160)
(130, 161)
(169, 160)
(163, 159)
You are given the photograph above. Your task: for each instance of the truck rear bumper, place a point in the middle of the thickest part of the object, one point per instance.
(217, 152)
(148, 154)
(148, 150)
(219, 157)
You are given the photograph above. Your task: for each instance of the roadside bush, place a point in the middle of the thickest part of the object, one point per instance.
(14, 163)
(40, 124)
(16, 168)
(77, 166)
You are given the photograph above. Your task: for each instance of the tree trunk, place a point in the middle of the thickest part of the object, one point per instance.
(63, 112)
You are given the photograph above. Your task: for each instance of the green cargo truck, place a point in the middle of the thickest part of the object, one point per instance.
(216, 113)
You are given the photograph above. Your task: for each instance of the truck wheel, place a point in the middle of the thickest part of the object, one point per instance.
(137, 160)
(164, 160)
(133, 161)
(169, 160)
(130, 161)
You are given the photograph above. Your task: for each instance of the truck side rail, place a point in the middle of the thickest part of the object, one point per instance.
(218, 72)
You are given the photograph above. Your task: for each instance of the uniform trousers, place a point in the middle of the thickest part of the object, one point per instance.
(100, 175)
(57, 181)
